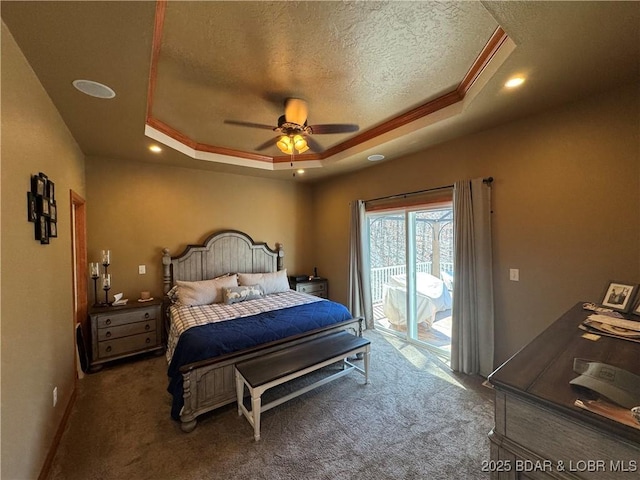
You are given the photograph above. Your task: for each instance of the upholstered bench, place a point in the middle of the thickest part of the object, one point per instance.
(275, 368)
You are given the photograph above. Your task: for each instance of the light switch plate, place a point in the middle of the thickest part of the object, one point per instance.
(514, 274)
(142, 269)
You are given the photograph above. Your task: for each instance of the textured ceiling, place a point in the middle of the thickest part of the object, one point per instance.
(354, 62)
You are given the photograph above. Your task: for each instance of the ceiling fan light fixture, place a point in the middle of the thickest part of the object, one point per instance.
(285, 145)
(300, 144)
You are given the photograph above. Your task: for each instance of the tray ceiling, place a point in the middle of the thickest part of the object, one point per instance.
(410, 74)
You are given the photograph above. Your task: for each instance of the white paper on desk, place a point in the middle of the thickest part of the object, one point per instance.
(117, 297)
(616, 322)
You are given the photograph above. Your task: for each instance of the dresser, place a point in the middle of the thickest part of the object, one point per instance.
(317, 286)
(539, 433)
(126, 330)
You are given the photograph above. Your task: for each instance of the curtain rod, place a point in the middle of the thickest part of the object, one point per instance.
(487, 180)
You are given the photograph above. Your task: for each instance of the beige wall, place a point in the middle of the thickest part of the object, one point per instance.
(566, 200)
(136, 209)
(36, 310)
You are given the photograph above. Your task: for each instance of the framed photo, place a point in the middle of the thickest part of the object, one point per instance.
(53, 228)
(44, 207)
(619, 295)
(38, 185)
(51, 190)
(32, 208)
(42, 229)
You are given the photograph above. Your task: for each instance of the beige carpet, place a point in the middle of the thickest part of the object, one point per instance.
(415, 420)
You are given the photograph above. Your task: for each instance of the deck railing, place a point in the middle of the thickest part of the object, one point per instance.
(380, 275)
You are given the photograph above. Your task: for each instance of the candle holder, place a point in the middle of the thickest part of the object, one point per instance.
(106, 286)
(106, 278)
(95, 274)
(106, 260)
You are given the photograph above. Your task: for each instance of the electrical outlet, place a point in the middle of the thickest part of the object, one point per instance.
(55, 396)
(514, 274)
(142, 269)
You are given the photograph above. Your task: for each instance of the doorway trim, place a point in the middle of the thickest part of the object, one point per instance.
(79, 272)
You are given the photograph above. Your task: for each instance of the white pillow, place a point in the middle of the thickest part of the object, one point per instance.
(204, 292)
(274, 282)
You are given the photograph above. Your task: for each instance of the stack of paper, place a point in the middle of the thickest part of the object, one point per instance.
(613, 327)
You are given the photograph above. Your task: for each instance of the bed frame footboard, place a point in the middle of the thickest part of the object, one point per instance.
(210, 384)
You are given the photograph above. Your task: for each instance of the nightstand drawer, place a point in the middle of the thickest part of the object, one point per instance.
(127, 344)
(317, 286)
(312, 288)
(122, 318)
(126, 330)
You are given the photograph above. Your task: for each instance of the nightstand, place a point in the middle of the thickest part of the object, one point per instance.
(317, 286)
(118, 332)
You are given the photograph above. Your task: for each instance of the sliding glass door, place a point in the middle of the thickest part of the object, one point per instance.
(411, 261)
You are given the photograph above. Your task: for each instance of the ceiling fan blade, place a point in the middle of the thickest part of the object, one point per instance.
(295, 110)
(334, 128)
(268, 143)
(248, 124)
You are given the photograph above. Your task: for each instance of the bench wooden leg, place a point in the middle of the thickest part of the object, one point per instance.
(367, 354)
(239, 392)
(256, 406)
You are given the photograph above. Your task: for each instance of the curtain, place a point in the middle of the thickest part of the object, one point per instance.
(359, 285)
(472, 312)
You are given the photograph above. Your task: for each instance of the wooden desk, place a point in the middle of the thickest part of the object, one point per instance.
(535, 417)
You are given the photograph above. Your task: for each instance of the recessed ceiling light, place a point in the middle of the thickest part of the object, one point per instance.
(514, 82)
(155, 148)
(94, 89)
(375, 158)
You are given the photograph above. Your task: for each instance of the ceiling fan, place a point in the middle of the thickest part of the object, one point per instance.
(294, 133)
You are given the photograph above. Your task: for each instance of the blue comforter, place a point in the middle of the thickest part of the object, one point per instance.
(215, 339)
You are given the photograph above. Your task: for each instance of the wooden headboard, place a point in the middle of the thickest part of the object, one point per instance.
(228, 251)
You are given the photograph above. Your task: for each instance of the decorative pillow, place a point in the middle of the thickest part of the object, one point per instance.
(204, 292)
(240, 294)
(173, 294)
(274, 282)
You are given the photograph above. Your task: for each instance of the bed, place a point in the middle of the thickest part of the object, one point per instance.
(204, 341)
(432, 296)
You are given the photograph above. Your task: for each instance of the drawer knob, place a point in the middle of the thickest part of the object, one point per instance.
(108, 334)
(147, 326)
(108, 321)
(146, 315)
(109, 348)
(304, 289)
(148, 340)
